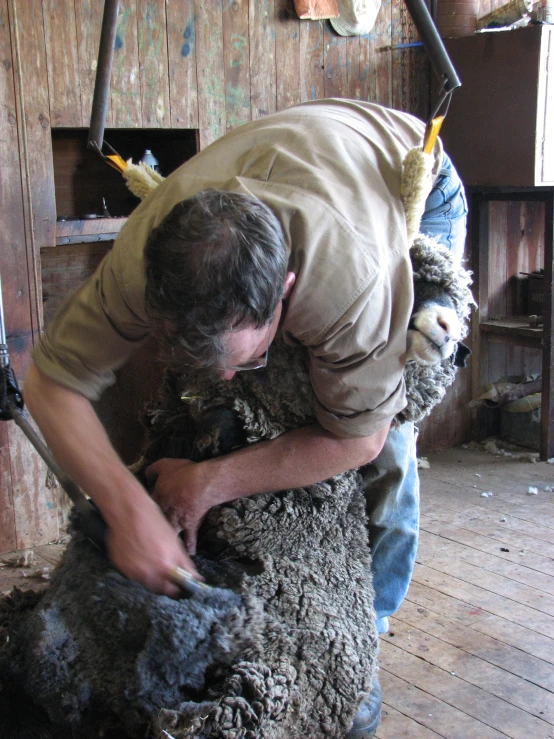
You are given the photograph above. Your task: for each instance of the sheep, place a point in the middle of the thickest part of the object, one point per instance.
(283, 646)
(437, 324)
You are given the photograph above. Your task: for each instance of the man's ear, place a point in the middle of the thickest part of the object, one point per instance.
(290, 279)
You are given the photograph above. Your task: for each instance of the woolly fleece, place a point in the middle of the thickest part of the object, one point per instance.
(285, 645)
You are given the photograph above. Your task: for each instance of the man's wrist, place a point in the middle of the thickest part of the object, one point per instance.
(208, 476)
(122, 500)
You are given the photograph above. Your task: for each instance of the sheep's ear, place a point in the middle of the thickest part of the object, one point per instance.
(459, 359)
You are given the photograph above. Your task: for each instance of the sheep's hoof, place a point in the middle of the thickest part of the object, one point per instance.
(368, 716)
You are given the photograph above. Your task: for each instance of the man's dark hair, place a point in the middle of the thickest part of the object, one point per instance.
(216, 262)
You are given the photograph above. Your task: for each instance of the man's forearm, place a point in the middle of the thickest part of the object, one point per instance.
(140, 541)
(295, 459)
(79, 442)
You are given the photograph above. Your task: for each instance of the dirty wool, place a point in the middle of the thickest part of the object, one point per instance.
(284, 644)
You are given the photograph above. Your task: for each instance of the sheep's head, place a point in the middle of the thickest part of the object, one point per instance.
(434, 332)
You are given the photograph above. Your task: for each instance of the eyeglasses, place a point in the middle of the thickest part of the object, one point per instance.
(253, 364)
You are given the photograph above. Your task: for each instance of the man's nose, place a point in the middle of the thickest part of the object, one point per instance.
(226, 374)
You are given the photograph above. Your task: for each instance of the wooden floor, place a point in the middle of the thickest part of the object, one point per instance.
(470, 654)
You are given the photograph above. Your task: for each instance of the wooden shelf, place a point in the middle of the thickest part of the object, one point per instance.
(496, 261)
(87, 230)
(515, 327)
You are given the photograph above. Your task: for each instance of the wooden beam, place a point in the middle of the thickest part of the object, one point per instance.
(35, 136)
(547, 405)
(60, 35)
(211, 74)
(287, 54)
(30, 514)
(236, 60)
(312, 55)
(181, 45)
(262, 58)
(125, 84)
(88, 14)
(153, 63)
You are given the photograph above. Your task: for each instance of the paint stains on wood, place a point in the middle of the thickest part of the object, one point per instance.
(125, 83)
(211, 74)
(215, 65)
(153, 63)
(181, 45)
(236, 56)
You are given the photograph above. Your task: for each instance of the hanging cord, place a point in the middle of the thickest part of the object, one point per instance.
(34, 251)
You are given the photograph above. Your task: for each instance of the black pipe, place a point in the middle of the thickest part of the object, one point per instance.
(433, 45)
(103, 75)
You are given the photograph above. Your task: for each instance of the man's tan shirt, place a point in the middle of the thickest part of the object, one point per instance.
(330, 171)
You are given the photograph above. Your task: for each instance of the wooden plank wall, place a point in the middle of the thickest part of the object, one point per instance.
(214, 65)
(178, 64)
(28, 510)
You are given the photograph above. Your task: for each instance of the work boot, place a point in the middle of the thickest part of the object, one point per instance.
(368, 715)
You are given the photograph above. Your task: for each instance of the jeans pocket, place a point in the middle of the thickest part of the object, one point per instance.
(439, 202)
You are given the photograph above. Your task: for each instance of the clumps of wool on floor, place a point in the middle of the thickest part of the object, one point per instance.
(284, 646)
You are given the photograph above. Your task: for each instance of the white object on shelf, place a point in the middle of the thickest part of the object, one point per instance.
(149, 159)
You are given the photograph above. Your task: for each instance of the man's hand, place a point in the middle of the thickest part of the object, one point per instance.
(145, 547)
(177, 491)
(187, 490)
(141, 543)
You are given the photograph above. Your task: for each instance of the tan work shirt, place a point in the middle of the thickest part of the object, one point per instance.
(330, 171)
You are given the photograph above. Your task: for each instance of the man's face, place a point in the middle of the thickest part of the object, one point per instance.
(249, 344)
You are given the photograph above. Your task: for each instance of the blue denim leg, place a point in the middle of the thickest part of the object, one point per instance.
(391, 481)
(445, 213)
(391, 486)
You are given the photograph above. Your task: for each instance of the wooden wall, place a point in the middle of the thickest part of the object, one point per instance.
(178, 64)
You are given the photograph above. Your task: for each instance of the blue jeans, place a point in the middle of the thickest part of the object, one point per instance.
(391, 481)
(445, 213)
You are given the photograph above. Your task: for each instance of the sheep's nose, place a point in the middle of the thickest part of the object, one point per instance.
(445, 326)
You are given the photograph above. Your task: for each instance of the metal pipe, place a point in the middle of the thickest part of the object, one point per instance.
(433, 45)
(94, 525)
(75, 493)
(4, 358)
(103, 75)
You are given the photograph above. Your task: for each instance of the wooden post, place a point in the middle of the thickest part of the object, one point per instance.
(29, 510)
(547, 404)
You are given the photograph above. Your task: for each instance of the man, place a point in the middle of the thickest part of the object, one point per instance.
(292, 223)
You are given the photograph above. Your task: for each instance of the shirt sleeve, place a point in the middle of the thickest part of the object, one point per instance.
(357, 370)
(96, 330)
